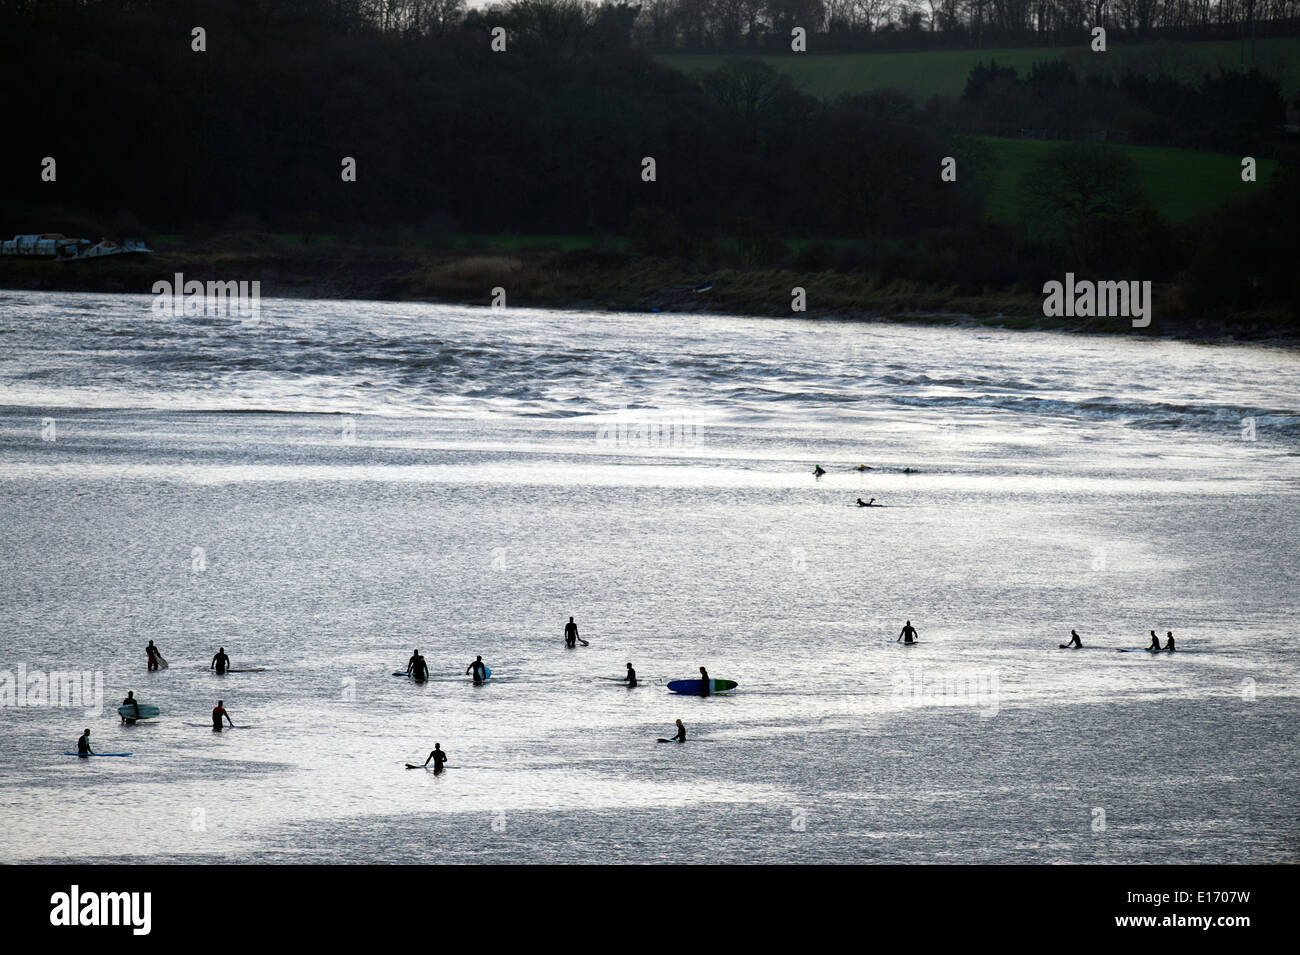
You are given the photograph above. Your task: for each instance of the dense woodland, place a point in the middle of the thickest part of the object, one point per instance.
(450, 137)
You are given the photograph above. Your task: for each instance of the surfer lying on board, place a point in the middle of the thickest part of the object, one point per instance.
(220, 662)
(438, 757)
(1074, 642)
(631, 676)
(908, 633)
(218, 712)
(1155, 642)
(479, 668)
(83, 745)
(1169, 640)
(862, 503)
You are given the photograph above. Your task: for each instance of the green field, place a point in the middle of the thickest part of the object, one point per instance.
(944, 72)
(1180, 183)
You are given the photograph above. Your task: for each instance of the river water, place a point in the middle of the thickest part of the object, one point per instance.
(333, 484)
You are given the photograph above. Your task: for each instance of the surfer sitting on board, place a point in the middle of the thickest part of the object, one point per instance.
(631, 676)
(479, 669)
(438, 757)
(679, 738)
(83, 745)
(1155, 642)
(908, 634)
(154, 656)
(862, 503)
(704, 682)
(570, 633)
(1074, 642)
(1169, 640)
(132, 702)
(218, 712)
(220, 662)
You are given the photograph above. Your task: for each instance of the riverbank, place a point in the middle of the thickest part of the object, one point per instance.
(603, 280)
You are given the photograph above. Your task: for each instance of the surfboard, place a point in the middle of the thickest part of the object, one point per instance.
(693, 686)
(1138, 650)
(162, 660)
(147, 710)
(96, 754)
(246, 670)
(487, 674)
(227, 726)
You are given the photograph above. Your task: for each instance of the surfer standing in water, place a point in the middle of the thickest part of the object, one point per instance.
(704, 682)
(479, 669)
(132, 702)
(218, 712)
(908, 633)
(438, 757)
(220, 662)
(571, 634)
(631, 676)
(416, 668)
(154, 656)
(83, 744)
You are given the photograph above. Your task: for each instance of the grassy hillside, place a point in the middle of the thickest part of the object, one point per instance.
(944, 72)
(1180, 183)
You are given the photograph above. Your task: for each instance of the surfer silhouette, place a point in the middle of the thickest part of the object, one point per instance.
(1155, 642)
(818, 471)
(416, 668)
(220, 662)
(132, 702)
(154, 656)
(1169, 640)
(862, 503)
(83, 744)
(570, 633)
(479, 669)
(704, 682)
(1074, 641)
(438, 757)
(218, 712)
(679, 738)
(908, 633)
(631, 676)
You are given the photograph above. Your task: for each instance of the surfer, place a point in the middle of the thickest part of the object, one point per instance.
(479, 669)
(1155, 643)
(1169, 641)
(864, 467)
(681, 733)
(416, 668)
(631, 676)
(570, 633)
(910, 471)
(438, 757)
(83, 744)
(818, 471)
(218, 712)
(154, 656)
(862, 503)
(704, 682)
(220, 662)
(132, 702)
(908, 633)
(1074, 642)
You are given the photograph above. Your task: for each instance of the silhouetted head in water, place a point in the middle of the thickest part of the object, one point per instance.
(570, 620)
(221, 702)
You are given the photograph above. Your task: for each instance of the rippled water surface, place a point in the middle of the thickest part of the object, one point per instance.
(324, 489)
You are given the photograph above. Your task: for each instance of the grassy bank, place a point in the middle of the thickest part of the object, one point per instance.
(589, 279)
(943, 72)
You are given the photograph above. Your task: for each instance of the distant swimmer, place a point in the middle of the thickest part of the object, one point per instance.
(864, 467)
(220, 662)
(218, 712)
(479, 669)
(908, 633)
(83, 744)
(631, 676)
(704, 682)
(1074, 642)
(438, 757)
(1169, 641)
(571, 637)
(679, 738)
(870, 503)
(911, 471)
(131, 701)
(1155, 642)
(818, 471)
(155, 658)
